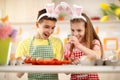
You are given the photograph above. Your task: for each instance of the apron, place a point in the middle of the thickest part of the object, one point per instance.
(44, 51)
(82, 76)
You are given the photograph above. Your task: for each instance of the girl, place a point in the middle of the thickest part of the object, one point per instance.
(83, 41)
(42, 44)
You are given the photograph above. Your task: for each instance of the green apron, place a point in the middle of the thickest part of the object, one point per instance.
(44, 51)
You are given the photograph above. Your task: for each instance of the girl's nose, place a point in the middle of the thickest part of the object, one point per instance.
(75, 33)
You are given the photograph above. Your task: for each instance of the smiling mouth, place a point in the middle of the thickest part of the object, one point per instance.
(46, 35)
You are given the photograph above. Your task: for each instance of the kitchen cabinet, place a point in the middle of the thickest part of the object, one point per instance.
(11, 76)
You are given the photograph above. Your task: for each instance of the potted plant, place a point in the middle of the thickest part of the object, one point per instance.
(7, 33)
(110, 10)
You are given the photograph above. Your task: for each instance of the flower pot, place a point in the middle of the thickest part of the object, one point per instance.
(5, 49)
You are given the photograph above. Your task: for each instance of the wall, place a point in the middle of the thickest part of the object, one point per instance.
(2, 8)
(24, 10)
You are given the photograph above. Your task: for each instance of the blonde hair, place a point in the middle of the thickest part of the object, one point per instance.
(90, 33)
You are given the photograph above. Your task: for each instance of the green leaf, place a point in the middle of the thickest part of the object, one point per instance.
(113, 6)
(104, 12)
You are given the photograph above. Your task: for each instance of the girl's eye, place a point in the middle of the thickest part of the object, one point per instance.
(79, 30)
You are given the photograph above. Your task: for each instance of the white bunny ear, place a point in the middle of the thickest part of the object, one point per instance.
(67, 8)
(78, 12)
(50, 8)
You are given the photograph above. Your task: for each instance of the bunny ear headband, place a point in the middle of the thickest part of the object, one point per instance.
(51, 12)
(78, 12)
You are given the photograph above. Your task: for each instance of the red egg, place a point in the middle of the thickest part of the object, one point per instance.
(27, 59)
(34, 61)
(40, 61)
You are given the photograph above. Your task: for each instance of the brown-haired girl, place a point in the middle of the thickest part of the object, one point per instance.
(83, 41)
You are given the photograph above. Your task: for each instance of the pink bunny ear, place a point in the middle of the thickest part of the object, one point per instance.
(69, 10)
(78, 10)
(66, 7)
(50, 11)
(50, 8)
(58, 9)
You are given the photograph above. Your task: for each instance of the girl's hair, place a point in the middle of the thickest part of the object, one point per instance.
(44, 17)
(90, 33)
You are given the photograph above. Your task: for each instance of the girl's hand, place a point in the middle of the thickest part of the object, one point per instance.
(19, 75)
(76, 61)
(74, 40)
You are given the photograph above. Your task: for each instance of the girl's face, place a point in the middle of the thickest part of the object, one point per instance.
(78, 30)
(46, 28)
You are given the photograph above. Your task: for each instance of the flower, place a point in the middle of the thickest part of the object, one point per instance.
(104, 18)
(109, 10)
(6, 30)
(104, 6)
(117, 11)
